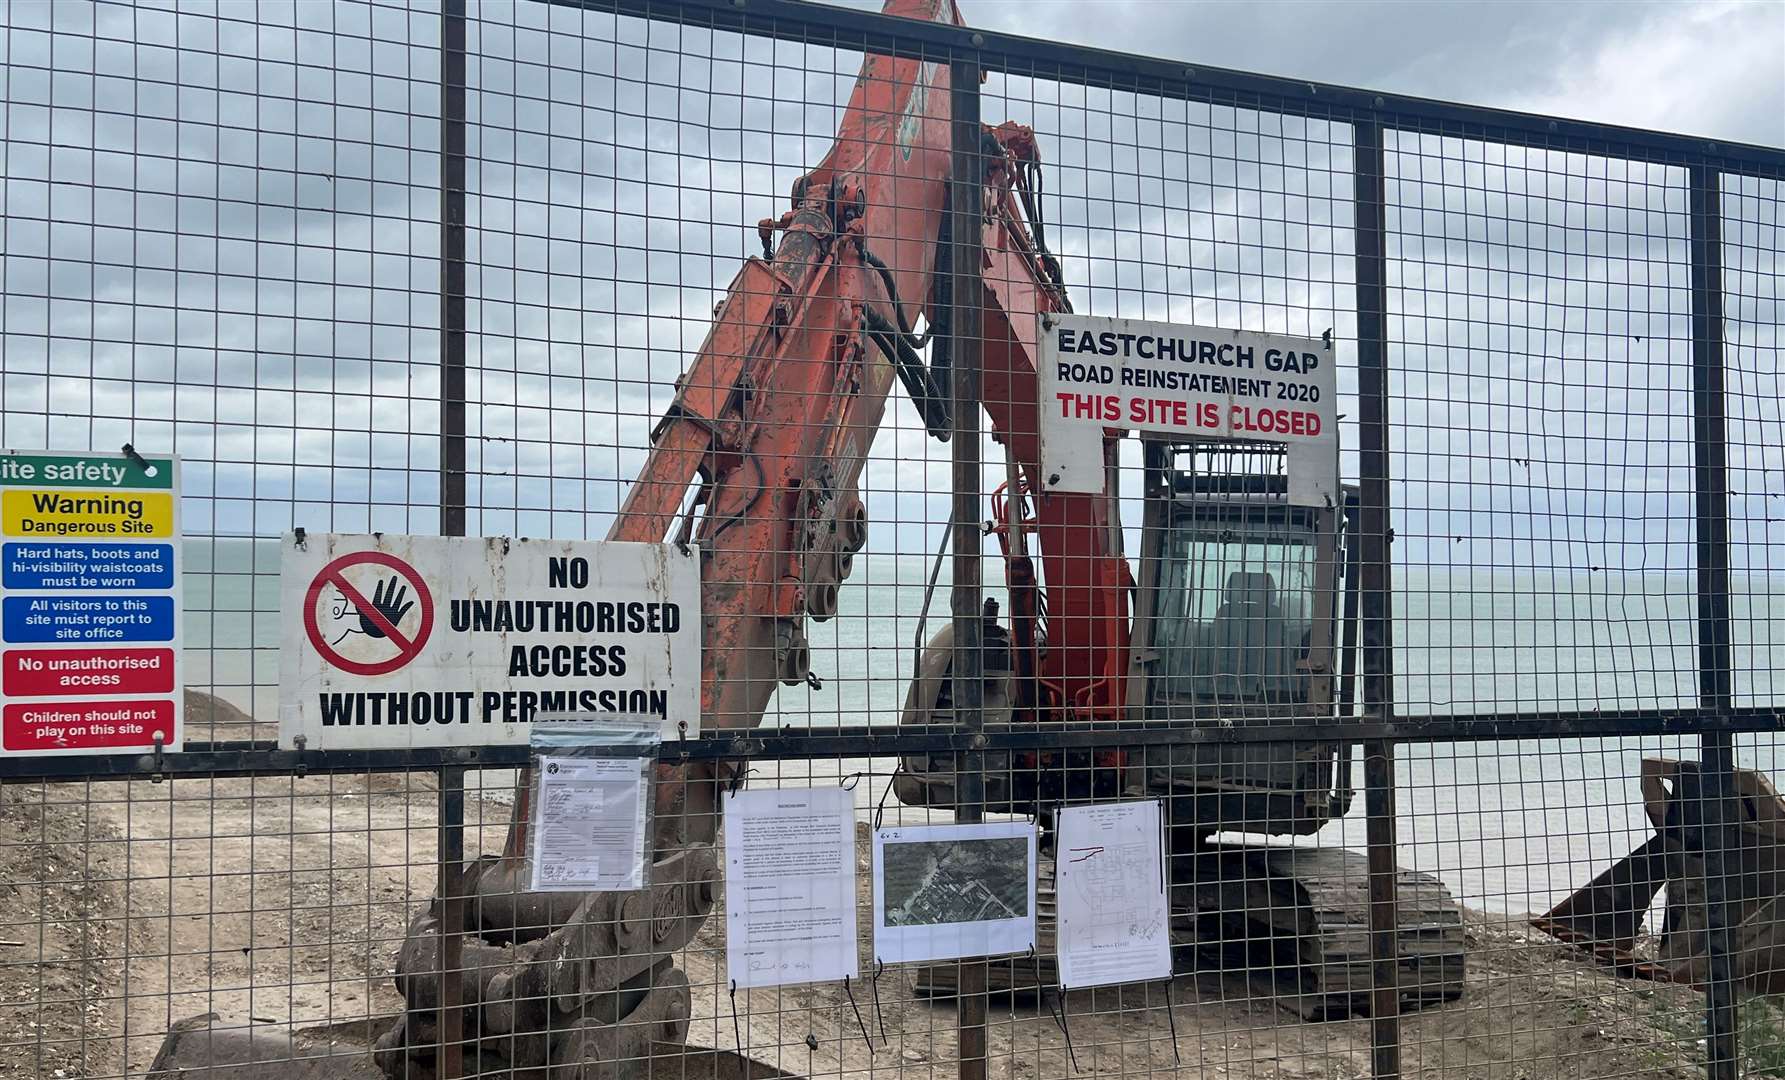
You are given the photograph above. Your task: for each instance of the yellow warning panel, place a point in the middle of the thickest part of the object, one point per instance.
(76, 514)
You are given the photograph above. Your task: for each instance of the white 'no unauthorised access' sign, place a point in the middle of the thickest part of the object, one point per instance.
(407, 641)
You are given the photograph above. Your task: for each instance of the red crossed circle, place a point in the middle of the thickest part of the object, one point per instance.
(407, 648)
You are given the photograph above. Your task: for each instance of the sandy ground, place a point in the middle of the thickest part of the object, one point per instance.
(126, 906)
(1532, 1008)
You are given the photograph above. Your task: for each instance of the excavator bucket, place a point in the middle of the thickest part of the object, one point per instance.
(1605, 917)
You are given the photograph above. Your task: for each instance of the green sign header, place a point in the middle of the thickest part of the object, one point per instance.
(84, 471)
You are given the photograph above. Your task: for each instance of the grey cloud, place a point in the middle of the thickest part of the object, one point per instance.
(1713, 67)
(592, 290)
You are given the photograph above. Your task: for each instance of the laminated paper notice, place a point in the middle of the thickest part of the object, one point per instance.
(1109, 882)
(789, 886)
(947, 891)
(589, 825)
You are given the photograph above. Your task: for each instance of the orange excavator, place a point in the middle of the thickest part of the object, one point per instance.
(759, 461)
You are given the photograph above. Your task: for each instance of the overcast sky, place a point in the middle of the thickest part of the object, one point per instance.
(1715, 69)
(221, 240)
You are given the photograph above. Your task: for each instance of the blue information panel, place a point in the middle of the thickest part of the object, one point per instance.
(91, 617)
(53, 564)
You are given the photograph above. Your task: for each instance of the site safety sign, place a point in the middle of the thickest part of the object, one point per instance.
(1197, 384)
(397, 641)
(89, 603)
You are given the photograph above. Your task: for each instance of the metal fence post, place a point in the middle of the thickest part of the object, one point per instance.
(1710, 489)
(1371, 226)
(451, 805)
(966, 200)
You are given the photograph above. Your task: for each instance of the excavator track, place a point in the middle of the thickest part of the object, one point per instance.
(1292, 923)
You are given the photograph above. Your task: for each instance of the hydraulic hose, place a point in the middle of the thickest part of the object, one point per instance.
(931, 404)
(892, 292)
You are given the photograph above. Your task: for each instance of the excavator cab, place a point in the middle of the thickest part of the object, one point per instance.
(1235, 623)
(1246, 613)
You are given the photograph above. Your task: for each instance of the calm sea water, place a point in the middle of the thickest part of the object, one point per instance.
(1509, 826)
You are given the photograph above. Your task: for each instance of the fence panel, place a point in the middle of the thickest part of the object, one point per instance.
(646, 269)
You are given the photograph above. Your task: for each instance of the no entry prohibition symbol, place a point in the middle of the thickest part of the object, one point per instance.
(363, 620)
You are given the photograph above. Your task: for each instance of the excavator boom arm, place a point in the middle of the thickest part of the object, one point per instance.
(760, 456)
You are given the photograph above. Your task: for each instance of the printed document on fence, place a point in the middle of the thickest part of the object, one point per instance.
(789, 886)
(1109, 882)
(589, 825)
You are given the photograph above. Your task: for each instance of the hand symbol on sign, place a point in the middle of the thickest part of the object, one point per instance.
(391, 601)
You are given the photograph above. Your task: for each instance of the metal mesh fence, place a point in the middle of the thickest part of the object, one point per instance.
(1464, 772)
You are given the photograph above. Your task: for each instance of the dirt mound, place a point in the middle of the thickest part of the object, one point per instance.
(61, 938)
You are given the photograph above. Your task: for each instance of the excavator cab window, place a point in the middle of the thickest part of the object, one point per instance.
(1236, 609)
(1235, 605)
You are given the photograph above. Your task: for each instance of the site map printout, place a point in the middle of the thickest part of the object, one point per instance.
(1109, 883)
(948, 891)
